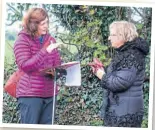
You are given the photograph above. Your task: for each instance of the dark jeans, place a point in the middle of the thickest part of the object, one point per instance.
(34, 110)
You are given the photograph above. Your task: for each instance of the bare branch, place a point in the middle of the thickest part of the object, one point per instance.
(13, 9)
(10, 46)
(69, 44)
(129, 11)
(67, 21)
(27, 6)
(12, 22)
(21, 13)
(139, 13)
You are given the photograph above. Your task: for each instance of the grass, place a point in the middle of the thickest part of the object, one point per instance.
(9, 56)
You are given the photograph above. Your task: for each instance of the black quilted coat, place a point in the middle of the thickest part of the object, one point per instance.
(123, 86)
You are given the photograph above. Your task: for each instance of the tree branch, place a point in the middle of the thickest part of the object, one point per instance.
(12, 22)
(67, 21)
(21, 13)
(139, 13)
(69, 44)
(13, 9)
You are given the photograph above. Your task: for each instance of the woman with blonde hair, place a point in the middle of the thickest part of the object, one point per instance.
(123, 80)
(35, 49)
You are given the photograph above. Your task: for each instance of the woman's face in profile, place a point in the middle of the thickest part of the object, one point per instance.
(115, 38)
(43, 27)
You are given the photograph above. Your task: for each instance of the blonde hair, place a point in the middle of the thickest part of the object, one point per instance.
(126, 29)
(32, 18)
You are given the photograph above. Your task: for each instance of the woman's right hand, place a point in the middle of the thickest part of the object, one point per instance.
(53, 46)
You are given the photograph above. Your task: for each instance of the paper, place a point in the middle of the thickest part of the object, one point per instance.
(62, 66)
(68, 64)
(73, 77)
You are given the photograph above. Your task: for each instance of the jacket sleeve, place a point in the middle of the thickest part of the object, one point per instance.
(119, 80)
(24, 58)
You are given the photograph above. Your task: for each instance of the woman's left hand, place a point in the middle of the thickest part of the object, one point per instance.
(99, 72)
(52, 72)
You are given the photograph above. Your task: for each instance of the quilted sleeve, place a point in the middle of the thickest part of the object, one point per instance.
(24, 58)
(119, 80)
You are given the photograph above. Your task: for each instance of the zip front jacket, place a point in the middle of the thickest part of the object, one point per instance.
(31, 57)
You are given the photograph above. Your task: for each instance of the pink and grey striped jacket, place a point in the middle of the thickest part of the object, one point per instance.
(31, 57)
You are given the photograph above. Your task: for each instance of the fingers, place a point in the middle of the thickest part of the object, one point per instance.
(52, 72)
(93, 69)
(100, 73)
(95, 65)
(56, 45)
(59, 45)
(98, 62)
(51, 47)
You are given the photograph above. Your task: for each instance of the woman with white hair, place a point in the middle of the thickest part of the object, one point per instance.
(123, 80)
